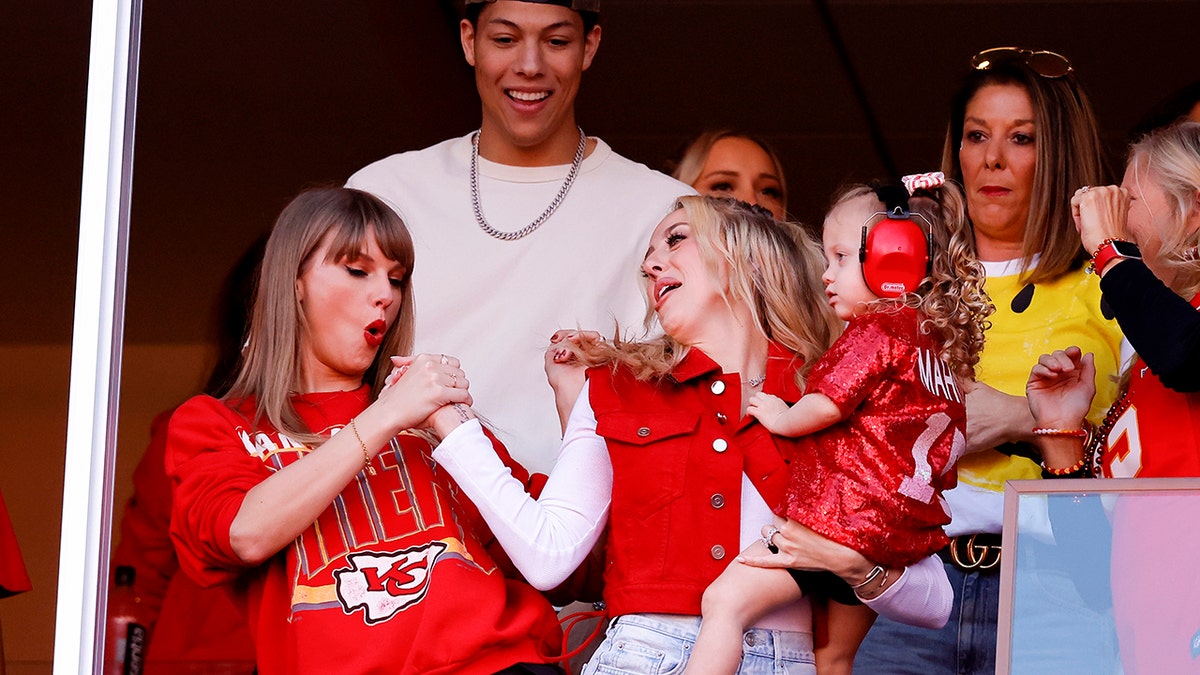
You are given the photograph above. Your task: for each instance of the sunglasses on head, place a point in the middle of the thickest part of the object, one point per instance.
(1045, 64)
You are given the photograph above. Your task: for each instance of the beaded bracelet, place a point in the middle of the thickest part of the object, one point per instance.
(1075, 468)
(1086, 432)
(1104, 243)
(1045, 431)
(1091, 266)
(366, 455)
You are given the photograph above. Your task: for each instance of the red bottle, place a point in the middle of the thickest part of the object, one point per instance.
(125, 635)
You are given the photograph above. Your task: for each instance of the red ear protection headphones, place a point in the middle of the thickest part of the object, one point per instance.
(895, 250)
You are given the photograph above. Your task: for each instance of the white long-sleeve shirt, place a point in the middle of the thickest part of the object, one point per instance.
(548, 538)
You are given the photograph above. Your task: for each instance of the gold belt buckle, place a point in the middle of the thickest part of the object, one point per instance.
(975, 556)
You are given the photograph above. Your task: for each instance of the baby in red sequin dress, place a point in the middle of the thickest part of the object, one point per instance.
(876, 436)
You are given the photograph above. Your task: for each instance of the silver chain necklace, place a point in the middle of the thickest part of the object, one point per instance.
(562, 192)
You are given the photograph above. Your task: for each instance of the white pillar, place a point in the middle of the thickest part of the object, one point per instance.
(96, 340)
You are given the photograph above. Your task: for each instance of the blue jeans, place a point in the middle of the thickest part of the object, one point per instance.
(1058, 633)
(966, 645)
(659, 644)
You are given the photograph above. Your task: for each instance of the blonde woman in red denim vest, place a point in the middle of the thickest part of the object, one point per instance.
(660, 460)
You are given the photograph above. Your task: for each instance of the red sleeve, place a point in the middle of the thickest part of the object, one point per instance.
(533, 485)
(855, 363)
(533, 482)
(211, 470)
(13, 576)
(586, 583)
(145, 526)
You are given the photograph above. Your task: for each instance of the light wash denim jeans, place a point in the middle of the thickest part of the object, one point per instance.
(659, 644)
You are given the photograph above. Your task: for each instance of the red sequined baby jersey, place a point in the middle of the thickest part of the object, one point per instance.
(874, 481)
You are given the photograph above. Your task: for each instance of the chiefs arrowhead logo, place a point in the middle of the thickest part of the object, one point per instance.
(384, 584)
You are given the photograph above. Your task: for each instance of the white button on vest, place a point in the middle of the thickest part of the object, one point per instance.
(718, 387)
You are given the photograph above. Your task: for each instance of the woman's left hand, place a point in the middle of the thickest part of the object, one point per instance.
(801, 548)
(1060, 388)
(1100, 212)
(565, 373)
(420, 385)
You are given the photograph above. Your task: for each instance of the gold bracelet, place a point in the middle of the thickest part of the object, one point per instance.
(366, 456)
(879, 572)
(875, 571)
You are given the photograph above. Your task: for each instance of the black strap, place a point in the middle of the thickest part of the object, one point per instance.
(531, 669)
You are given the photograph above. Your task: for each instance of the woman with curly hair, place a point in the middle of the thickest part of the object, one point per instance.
(1021, 136)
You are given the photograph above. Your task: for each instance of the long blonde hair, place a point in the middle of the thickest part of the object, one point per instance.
(271, 369)
(691, 161)
(773, 268)
(1170, 158)
(951, 300)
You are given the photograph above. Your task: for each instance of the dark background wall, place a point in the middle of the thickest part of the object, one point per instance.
(242, 104)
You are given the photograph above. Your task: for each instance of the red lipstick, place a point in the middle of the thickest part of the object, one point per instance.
(374, 333)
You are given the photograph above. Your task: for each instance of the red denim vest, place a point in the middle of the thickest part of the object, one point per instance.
(678, 453)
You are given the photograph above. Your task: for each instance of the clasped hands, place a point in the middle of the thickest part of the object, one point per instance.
(1100, 212)
(428, 388)
(436, 384)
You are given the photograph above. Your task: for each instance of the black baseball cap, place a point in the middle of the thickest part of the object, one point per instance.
(577, 5)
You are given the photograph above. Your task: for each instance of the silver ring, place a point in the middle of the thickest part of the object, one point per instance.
(444, 360)
(1083, 189)
(454, 380)
(766, 539)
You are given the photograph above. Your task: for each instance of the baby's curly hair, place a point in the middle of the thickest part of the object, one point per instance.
(952, 301)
